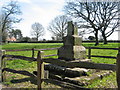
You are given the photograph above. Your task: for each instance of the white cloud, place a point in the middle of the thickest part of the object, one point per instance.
(42, 11)
(1, 3)
(37, 14)
(55, 1)
(44, 15)
(25, 1)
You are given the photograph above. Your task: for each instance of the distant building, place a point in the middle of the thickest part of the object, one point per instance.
(11, 39)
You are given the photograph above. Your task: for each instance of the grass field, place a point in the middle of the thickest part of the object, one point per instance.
(15, 80)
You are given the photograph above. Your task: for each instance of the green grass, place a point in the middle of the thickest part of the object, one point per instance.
(106, 82)
(31, 66)
(30, 45)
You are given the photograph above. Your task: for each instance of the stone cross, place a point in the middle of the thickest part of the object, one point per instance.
(72, 48)
(72, 29)
(72, 37)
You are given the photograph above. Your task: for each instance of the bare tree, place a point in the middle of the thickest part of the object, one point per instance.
(84, 29)
(8, 12)
(58, 27)
(98, 15)
(37, 30)
(8, 16)
(109, 18)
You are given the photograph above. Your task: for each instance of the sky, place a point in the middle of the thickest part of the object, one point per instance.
(42, 11)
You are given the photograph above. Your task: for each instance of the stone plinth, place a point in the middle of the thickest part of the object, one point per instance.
(71, 52)
(72, 48)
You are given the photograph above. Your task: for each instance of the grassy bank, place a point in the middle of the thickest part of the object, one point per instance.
(15, 80)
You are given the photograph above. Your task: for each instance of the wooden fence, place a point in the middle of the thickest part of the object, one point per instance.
(89, 51)
(33, 51)
(40, 65)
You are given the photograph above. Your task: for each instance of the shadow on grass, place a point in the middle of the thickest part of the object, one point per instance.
(31, 77)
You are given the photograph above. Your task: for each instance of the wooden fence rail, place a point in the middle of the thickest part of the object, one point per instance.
(59, 47)
(19, 57)
(80, 64)
(101, 56)
(47, 49)
(33, 51)
(19, 50)
(102, 48)
(89, 51)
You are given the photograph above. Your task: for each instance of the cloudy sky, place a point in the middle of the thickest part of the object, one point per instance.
(42, 11)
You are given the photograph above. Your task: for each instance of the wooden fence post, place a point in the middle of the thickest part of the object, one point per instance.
(89, 53)
(3, 65)
(40, 70)
(33, 53)
(118, 69)
(0, 66)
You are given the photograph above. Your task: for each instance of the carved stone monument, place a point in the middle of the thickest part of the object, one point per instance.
(72, 48)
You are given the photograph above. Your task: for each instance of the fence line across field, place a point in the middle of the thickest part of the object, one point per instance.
(89, 51)
(59, 47)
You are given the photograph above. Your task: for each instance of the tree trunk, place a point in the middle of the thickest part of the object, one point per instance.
(96, 38)
(37, 38)
(104, 38)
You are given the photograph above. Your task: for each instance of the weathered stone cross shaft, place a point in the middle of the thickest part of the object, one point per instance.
(72, 48)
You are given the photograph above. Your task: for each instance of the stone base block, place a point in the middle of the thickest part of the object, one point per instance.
(69, 53)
